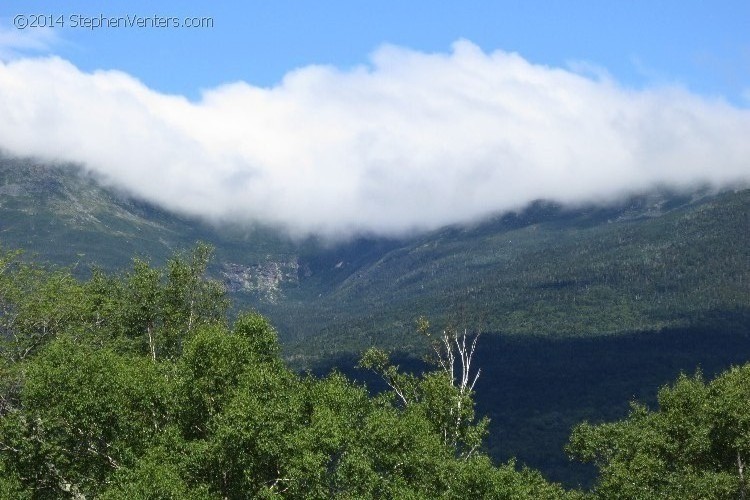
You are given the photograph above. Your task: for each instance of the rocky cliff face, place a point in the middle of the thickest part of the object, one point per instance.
(266, 280)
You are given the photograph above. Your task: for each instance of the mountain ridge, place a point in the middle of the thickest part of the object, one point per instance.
(655, 260)
(587, 306)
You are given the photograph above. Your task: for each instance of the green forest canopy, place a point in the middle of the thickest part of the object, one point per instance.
(137, 385)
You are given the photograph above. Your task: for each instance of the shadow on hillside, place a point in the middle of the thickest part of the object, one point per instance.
(536, 389)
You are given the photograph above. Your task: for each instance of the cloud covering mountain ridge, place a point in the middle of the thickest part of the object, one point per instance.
(410, 141)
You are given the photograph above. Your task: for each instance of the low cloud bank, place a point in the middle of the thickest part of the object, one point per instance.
(408, 142)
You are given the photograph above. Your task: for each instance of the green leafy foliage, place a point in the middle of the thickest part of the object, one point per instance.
(694, 446)
(443, 397)
(83, 413)
(134, 385)
(35, 305)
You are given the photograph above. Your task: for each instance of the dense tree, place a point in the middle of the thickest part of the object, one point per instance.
(695, 445)
(134, 385)
(443, 396)
(84, 412)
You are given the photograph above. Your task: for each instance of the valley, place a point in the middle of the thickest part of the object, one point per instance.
(582, 308)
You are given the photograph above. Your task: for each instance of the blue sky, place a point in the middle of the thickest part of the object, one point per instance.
(342, 118)
(704, 46)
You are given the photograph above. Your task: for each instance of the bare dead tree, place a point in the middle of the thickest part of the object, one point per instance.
(454, 353)
(453, 414)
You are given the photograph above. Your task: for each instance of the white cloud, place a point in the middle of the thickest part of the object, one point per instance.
(411, 141)
(14, 43)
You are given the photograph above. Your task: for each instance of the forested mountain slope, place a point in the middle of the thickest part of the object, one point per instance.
(573, 299)
(653, 261)
(659, 261)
